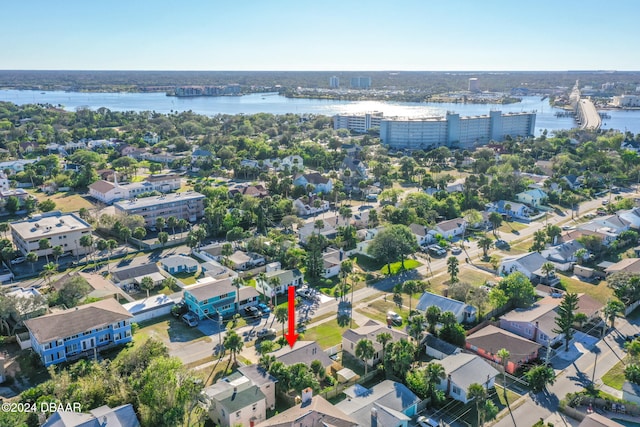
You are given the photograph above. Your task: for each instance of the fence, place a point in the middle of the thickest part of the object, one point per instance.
(331, 351)
(631, 307)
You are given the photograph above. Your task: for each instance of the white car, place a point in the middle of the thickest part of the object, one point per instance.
(266, 332)
(190, 319)
(394, 317)
(18, 260)
(427, 422)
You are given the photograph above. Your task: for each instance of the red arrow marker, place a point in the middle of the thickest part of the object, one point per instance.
(292, 336)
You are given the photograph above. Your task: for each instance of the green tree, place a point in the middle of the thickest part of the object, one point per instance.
(364, 351)
(553, 232)
(86, 241)
(233, 342)
(452, 268)
(612, 310)
(169, 283)
(238, 282)
(48, 271)
(146, 283)
(504, 356)
(393, 243)
(434, 373)
(44, 245)
(57, 252)
(139, 233)
(518, 289)
(12, 205)
(626, 286)
(4, 227)
(416, 327)
(163, 238)
(548, 268)
(314, 262)
(32, 258)
(566, 317)
(282, 315)
(160, 223)
(125, 234)
(47, 205)
(73, 291)
(539, 240)
(485, 243)
(539, 376)
(400, 356)
(479, 395)
(384, 338)
(346, 268)
(496, 221)
(172, 223)
(433, 315)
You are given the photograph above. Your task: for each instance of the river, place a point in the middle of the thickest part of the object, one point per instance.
(275, 104)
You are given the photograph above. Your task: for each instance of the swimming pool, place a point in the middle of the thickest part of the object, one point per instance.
(626, 423)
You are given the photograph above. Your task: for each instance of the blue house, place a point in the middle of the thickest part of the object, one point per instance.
(179, 264)
(207, 299)
(80, 331)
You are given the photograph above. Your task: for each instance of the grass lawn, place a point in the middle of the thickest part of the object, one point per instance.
(467, 274)
(367, 263)
(598, 291)
(615, 377)
(508, 227)
(65, 202)
(511, 396)
(396, 267)
(186, 278)
(326, 334)
(378, 309)
(170, 330)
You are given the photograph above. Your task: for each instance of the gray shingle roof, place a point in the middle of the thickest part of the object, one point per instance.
(446, 304)
(128, 273)
(439, 345)
(466, 369)
(211, 290)
(76, 320)
(303, 352)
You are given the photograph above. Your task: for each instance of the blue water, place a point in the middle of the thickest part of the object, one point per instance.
(626, 422)
(275, 104)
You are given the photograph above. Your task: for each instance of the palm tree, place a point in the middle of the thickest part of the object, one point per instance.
(32, 258)
(383, 338)
(365, 351)
(274, 282)
(86, 242)
(485, 244)
(57, 252)
(44, 245)
(580, 255)
(548, 268)
(433, 374)
(504, 355)
(433, 316)
(160, 223)
(266, 360)
(346, 268)
(4, 227)
(111, 245)
(410, 288)
(496, 220)
(147, 284)
(416, 327)
(478, 393)
(172, 223)
(612, 309)
(125, 234)
(163, 238)
(182, 225)
(238, 282)
(233, 343)
(452, 268)
(282, 315)
(226, 250)
(48, 270)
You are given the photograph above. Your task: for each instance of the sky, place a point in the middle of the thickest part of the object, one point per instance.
(297, 35)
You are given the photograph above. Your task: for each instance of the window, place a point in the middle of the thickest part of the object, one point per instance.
(206, 311)
(515, 325)
(455, 390)
(238, 414)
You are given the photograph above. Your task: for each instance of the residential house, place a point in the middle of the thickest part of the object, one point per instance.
(535, 323)
(176, 264)
(352, 171)
(263, 380)
(151, 138)
(248, 297)
(603, 236)
(462, 370)
(332, 262)
(240, 260)
(215, 270)
(15, 166)
(597, 420)
(313, 205)
(388, 403)
(99, 286)
(210, 299)
(303, 352)
(19, 193)
(487, 341)
(235, 401)
(150, 308)
(129, 276)
(246, 189)
(283, 278)
(611, 224)
(422, 234)
(79, 332)
(464, 313)
(64, 230)
(627, 265)
(564, 253)
(312, 411)
(572, 181)
(200, 153)
(29, 303)
(530, 264)
(450, 229)
(632, 216)
(437, 348)
(319, 183)
(288, 162)
(515, 210)
(534, 197)
(369, 331)
(103, 416)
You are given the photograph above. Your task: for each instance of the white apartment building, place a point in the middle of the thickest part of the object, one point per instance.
(360, 123)
(188, 205)
(455, 131)
(625, 101)
(108, 192)
(61, 230)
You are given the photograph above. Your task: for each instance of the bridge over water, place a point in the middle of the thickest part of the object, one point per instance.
(586, 114)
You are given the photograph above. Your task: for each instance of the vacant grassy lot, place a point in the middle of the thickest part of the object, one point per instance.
(467, 274)
(599, 291)
(615, 377)
(378, 309)
(65, 202)
(396, 267)
(367, 263)
(186, 278)
(170, 330)
(326, 334)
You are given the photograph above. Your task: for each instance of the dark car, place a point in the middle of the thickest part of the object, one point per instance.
(251, 312)
(632, 337)
(179, 309)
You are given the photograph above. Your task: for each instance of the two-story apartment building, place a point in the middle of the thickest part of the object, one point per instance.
(236, 401)
(108, 192)
(278, 281)
(61, 230)
(209, 299)
(188, 205)
(80, 331)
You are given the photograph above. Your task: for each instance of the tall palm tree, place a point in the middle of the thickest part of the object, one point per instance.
(416, 328)
(433, 315)
(172, 223)
(479, 394)
(485, 244)
(548, 268)
(182, 225)
(383, 338)
(233, 343)
(433, 374)
(282, 315)
(274, 282)
(504, 354)
(48, 270)
(44, 245)
(32, 258)
(57, 252)
(409, 288)
(238, 282)
(365, 351)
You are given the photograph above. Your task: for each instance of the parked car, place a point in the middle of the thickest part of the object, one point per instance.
(304, 293)
(251, 312)
(266, 332)
(264, 308)
(427, 422)
(501, 243)
(18, 260)
(394, 318)
(456, 250)
(437, 250)
(632, 337)
(190, 319)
